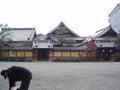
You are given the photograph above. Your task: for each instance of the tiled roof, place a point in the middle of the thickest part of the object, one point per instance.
(47, 38)
(19, 34)
(105, 44)
(63, 26)
(103, 31)
(18, 46)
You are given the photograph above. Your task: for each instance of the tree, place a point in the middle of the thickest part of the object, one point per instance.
(117, 41)
(68, 42)
(3, 35)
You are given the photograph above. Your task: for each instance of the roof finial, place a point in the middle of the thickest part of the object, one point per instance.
(61, 24)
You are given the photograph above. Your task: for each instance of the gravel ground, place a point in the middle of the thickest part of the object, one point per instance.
(69, 76)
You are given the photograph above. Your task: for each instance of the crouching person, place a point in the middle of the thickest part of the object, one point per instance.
(16, 73)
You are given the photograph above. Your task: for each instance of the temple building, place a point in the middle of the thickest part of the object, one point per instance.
(60, 43)
(105, 43)
(18, 43)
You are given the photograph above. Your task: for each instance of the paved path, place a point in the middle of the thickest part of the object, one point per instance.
(69, 76)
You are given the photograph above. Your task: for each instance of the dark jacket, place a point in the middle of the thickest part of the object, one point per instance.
(16, 73)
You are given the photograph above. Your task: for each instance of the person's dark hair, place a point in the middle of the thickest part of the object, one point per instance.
(4, 73)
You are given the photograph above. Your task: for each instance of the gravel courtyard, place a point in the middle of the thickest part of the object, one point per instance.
(69, 76)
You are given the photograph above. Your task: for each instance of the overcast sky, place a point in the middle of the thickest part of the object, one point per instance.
(84, 17)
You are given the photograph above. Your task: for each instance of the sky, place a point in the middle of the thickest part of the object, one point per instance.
(84, 17)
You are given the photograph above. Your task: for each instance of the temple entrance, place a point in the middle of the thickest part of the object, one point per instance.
(104, 54)
(41, 55)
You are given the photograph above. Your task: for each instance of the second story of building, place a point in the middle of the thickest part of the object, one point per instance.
(60, 36)
(105, 37)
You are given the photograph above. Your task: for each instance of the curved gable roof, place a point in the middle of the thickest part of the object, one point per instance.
(62, 29)
(105, 32)
(19, 34)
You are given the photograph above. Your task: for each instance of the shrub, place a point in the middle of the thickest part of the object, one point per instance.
(15, 59)
(72, 59)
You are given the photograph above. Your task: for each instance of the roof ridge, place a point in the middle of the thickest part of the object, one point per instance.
(19, 28)
(117, 7)
(63, 24)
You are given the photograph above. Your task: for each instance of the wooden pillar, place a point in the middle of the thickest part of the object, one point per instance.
(61, 53)
(70, 53)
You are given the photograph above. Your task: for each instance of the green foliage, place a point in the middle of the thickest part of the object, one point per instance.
(68, 42)
(117, 41)
(15, 59)
(4, 33)
(74, 59)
